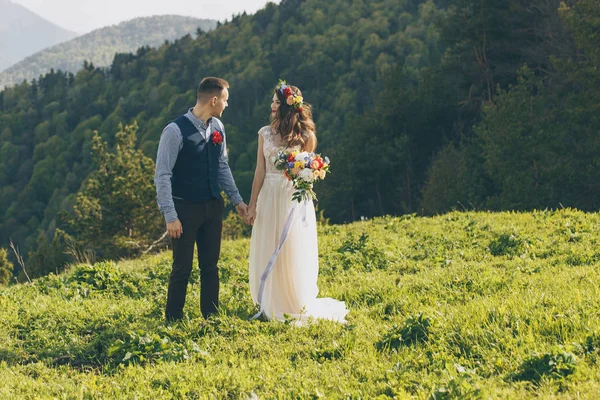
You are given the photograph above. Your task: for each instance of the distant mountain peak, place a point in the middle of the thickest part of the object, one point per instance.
(23, 32)
(99, 46)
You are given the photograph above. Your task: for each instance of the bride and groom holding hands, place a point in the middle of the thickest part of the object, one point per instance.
(191, 172)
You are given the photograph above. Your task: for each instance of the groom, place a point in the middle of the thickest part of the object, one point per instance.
(191, 170)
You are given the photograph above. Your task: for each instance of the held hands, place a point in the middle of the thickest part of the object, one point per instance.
(251, 216)
(247, 212)
(175, 229)
(242, 209)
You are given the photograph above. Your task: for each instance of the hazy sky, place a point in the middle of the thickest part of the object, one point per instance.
(83, 16)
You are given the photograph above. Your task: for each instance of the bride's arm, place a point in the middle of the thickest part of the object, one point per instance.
(310, 144)
(259, 178)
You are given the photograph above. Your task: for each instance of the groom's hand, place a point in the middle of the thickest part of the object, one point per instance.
(242, 209)
(175, 229)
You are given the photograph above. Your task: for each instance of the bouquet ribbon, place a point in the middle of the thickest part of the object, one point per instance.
(284, 234)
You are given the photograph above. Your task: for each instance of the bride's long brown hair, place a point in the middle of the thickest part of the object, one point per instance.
(294, 126)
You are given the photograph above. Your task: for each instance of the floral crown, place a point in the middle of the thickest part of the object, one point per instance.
(292, 97)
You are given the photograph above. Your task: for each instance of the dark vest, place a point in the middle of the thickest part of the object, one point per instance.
(196, 171)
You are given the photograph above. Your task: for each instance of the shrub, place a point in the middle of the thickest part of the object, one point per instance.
(553, 365)
(415, 329)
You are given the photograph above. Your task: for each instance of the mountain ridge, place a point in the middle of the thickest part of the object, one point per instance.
(99, 46)
(23, 32)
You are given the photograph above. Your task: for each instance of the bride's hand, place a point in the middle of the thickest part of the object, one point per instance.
(251, 216)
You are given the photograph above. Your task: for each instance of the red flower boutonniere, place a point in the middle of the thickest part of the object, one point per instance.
(216, 138)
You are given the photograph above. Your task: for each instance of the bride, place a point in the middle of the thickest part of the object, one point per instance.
(289, 286)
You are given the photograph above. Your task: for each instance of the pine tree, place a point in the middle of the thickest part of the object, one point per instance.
(115, 212)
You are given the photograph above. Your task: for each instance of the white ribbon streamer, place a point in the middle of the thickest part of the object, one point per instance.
(284, 234)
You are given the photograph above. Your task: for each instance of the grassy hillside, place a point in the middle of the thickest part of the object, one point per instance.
(463, 305)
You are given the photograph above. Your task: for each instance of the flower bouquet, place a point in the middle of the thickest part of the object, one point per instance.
(302, 169)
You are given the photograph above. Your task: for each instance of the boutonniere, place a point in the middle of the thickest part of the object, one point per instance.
(216, 138)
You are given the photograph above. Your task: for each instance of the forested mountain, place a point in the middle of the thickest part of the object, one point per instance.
(336, 52)
(422, 106)
(100, 46)
(23, 32)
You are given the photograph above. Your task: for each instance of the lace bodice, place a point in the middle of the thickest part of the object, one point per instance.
(270, 149)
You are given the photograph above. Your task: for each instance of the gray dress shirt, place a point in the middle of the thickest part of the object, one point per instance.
(171, 143)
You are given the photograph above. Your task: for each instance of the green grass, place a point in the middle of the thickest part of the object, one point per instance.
(459, 306)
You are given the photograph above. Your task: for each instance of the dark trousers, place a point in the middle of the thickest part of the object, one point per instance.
(202, 225)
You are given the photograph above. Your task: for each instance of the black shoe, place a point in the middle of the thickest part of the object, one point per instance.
(210, 315)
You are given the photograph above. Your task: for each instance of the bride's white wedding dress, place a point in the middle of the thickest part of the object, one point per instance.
(291, 287)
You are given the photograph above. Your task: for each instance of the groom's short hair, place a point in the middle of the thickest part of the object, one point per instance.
(210, 87)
